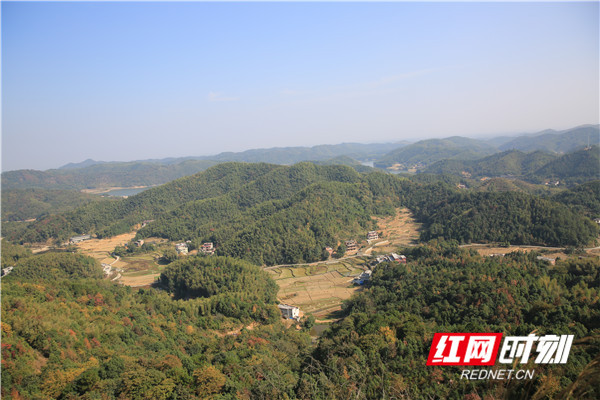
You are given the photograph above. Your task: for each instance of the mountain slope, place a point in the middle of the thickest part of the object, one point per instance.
(556, 141)
(511, 162)
(429, 151)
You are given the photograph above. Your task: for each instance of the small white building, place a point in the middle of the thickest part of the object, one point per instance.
(289, 312)
(77, 239)
(182, 248)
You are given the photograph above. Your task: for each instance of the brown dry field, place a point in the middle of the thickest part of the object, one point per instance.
(100, 249)
(317, 294)
(322, 293)
(398, 230)
(136, 281)
(551, 252)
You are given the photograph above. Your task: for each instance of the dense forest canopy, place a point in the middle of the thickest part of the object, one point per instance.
(24, 204)
(271, 214)
(74, 337)
(380, 347)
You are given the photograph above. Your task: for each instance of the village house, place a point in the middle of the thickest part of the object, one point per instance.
(207, 248)
(351, 246)
(289, 312)
(77, 239)
(139, 243)
(363, 278)
(372, 235)
(329, 250)
(182, 248)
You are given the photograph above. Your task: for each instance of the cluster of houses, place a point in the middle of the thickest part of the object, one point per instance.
(206, 248)
(393, 257)
(366, 275)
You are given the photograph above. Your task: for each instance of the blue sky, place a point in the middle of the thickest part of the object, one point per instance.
(126, 81)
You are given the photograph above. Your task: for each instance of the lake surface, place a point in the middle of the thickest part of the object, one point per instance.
(124, 192)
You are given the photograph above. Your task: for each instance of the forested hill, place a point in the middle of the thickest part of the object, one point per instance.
(511, 162)
(24, 204)
(576, 167)
(556, 141)
(103, 175)
(429, 151)
(272, 214)
(97, 174)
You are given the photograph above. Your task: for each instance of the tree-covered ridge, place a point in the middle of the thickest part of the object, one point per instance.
(271, 214)
(81, 338)
(538, 167)
(127, 174)
(584, 199)
(12, 253)
(556, 142)
(53, 266)
(111, 218)
(511, 162)
(23, 204)
(429, 151)
(380, 348)
(94, 174)
(577, 167)
(280, 231)
(210, 276)
(511, 217)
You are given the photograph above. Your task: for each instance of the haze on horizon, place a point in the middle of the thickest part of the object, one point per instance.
(127, 81)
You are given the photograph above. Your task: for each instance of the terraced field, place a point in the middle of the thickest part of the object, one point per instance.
(318, 289)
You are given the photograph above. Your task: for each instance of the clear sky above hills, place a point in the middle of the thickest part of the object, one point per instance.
(124, 81)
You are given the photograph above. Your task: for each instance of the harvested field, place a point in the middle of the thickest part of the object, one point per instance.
(317, 289)
(487, 250)
(100, 249)
(398, 230)
(137, 270)
(137, 281)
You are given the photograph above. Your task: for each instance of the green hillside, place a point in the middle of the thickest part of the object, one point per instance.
(584, 199)
(556, 141)
(511, 162)
(66, 334)
(103, 175)
(273, 214)
(429, 151)
(512, 217)
(97, 174)
(576, 167)
(23, 204)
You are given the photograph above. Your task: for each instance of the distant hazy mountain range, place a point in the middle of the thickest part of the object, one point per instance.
(459, 153)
